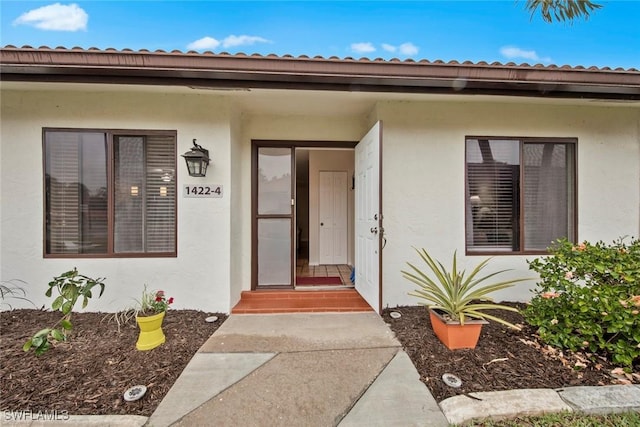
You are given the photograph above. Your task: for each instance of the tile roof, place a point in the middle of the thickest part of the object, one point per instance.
(319, 58)
(303, 72)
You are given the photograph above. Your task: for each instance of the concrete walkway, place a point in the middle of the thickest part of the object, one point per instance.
(330, 369)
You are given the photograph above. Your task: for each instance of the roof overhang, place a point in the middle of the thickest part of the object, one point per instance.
(240, 71)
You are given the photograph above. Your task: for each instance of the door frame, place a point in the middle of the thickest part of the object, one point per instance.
(293, 144)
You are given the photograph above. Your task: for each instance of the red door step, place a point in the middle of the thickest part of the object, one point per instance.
(288, 301)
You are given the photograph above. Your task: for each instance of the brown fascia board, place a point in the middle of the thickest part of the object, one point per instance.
(256, 71)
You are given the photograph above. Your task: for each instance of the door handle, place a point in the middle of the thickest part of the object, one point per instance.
(374, 230)
(321, 224)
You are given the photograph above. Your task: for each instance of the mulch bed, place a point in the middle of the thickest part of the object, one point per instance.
(504, 359)
(88, 374)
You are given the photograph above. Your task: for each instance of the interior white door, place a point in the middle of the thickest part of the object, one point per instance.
(333, 217)
(368, 217)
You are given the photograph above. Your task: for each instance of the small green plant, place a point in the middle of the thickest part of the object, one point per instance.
(70, 287)
(11, 289)
(588, 299)
(459, 295)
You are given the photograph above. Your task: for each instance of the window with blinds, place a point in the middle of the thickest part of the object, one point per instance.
(83, 189)
(520, 194)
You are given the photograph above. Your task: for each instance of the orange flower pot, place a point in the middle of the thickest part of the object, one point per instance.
(454, 335)
(151, 334)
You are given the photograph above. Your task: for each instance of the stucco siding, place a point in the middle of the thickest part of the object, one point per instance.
(424, 205)
(240, 250)
(199, 277)
(423, 180)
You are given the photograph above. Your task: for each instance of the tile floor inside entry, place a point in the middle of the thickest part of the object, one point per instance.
(303, 269)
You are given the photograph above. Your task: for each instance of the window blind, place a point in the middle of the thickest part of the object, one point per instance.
(145, 205)
(160, 194)
(520, 194)
(142, 192)
(75, 189)
(129, 194)
(548, 193)
(492, 177)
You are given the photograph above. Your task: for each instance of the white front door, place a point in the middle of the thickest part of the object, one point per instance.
(333, 217)
(368, 213)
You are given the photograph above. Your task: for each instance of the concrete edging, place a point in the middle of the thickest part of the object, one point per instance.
(602, 399)
(63, 419)
(499, 405)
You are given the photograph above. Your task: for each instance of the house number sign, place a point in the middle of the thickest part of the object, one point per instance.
(202, 191)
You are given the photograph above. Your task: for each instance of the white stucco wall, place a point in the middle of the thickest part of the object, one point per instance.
(199, 277)
(240, 250)
(424, 205)
(423, 182)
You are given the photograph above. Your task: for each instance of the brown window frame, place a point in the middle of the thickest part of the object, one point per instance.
(110, 137)
(520, 208)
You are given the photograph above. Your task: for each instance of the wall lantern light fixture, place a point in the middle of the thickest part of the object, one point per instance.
(197, 160)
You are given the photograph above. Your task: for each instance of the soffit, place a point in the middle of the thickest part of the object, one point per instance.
(301, 102)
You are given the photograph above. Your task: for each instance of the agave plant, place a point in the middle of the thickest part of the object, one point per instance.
(459, 295)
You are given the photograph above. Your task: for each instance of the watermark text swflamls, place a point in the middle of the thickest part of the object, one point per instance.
(29, 415)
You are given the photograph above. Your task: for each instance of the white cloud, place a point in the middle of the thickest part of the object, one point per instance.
(389, 47)
(229, 41)
(513, 52)
(362, 47)
(55, 17)
(233, 41)
(408, 49)
(204, 43)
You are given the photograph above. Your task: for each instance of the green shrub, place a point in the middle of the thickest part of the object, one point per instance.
(588, 299)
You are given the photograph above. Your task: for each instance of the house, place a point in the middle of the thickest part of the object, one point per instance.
(342, 161)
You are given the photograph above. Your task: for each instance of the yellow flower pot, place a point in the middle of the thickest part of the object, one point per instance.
(151, 335)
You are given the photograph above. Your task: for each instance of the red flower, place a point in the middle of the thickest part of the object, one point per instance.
(158, 299)
(170, 300)
(160, 294)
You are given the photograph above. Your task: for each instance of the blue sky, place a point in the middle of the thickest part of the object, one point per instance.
(448, 30)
